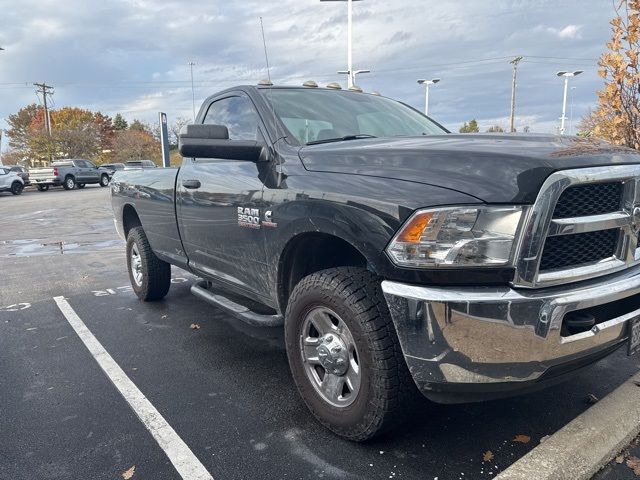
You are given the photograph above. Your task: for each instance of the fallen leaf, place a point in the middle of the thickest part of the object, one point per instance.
(634, 464)
(129, 473)
(487, 456)
(591, 399)
(194, 326)
(620, 459)
(522, 439)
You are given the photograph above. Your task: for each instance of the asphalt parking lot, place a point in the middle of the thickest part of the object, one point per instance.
(223, 387)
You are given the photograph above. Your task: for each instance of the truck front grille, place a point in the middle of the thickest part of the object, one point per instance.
(590, 199)
(584, 224)
(571, 250)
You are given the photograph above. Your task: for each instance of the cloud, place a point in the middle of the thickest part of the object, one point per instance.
(570, 32)
(132, 56)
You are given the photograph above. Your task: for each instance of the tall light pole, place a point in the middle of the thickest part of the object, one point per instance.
(193, 93)
(566, 76)
(426, 83)
(351, 74)
(571, 112)
(353, 77)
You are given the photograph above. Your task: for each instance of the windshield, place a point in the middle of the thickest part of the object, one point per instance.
(320, 115)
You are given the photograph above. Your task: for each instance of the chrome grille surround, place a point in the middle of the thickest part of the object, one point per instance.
(540, 224)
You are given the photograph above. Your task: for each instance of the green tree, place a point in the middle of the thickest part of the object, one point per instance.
(495, 129)
(119, 123)
(471, 127)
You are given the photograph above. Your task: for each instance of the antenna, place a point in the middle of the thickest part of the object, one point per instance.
(266, 55)
(271, 105)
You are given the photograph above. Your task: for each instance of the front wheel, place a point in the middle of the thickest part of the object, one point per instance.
(344, 353)
(104, 180)
(16, 188)
(150, 277)
(43, 188)
(69, 183)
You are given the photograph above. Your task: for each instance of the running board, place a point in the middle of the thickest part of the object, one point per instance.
(200, 290)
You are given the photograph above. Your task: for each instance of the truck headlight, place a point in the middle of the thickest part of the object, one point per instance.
(457, 236)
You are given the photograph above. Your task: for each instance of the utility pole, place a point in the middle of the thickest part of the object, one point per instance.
(45, 90)
(193, 93)
(514, 62)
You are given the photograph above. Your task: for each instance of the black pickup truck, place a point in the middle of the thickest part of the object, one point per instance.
(398, 257)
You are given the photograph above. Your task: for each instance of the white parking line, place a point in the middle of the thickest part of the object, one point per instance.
(183, 459)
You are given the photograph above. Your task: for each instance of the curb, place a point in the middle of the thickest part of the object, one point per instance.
(579, 449)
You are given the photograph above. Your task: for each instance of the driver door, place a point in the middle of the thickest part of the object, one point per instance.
(218, 244)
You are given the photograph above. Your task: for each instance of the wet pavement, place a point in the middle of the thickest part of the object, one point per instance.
(224, 387)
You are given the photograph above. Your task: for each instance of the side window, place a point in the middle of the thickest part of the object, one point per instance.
(237, 114)
(90, 165)
(79, 164)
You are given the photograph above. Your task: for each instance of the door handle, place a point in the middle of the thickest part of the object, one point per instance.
(191, 183)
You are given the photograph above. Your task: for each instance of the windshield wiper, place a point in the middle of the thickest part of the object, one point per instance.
(341, 139)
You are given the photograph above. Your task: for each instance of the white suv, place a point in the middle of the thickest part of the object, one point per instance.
(10, 181)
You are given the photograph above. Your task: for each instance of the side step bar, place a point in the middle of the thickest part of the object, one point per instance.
(200, 290)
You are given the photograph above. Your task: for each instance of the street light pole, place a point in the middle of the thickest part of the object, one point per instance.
(193, 94)
(353, 80)
(566, 76)
(351, 75)
(571, 112)
(426, 83)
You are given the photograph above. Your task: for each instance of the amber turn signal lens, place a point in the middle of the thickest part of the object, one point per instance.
(412, 232)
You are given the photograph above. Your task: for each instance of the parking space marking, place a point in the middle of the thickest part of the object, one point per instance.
(182, 458)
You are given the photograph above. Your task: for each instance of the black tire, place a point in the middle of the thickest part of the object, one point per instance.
(16, 188)
(104, 180)
(386, 385)
(81, 185)
(156, 274)
(43, 188)
(69, 183)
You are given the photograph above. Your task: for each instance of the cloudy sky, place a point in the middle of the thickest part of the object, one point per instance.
(131, 56)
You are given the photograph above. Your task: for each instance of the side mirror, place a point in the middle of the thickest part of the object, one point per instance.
(212, 141)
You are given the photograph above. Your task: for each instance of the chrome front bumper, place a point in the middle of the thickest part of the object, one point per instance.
(473, 343)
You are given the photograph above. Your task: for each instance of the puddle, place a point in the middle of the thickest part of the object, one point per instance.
(33, 247)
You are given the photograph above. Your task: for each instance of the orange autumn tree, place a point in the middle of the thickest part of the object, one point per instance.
(617, 117)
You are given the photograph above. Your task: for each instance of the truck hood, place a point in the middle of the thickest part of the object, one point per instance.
(492, 168)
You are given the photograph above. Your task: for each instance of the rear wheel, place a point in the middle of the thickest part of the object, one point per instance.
(69, 183)
(344, 353)
(81, 185)
(104, 180)
(150, 277)
(43, 188)
(16, 188)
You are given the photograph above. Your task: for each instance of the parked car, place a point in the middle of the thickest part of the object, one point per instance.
(11, 181)
(396, 255)
(111, 168)
(134, 164)
(69, 174)
(22, 173)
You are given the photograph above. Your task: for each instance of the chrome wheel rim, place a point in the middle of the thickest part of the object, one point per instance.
(104, 180)
(136, 265)
(69, 183)
(330, 357)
